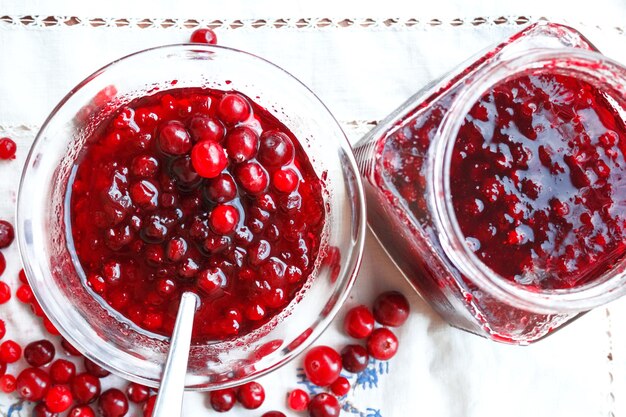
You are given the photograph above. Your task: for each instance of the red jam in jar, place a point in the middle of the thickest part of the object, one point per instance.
(500, 191)
(197, 190)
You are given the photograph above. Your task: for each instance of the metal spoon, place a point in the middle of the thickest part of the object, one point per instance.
(169, 402)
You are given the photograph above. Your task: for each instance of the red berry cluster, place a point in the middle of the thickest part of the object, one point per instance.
(250, 396)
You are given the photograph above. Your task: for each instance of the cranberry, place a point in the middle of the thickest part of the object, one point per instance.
(69, 348)
(165, 287)
(359, 322)
(6, 234)
(233, 108)
(62, 371)
(183, 172)
(252, 177)
(221, 189)
(322, 365)
(354, 358)
(224, 219)
(32, 384)
(3, 264)
(145, 194)
(324, 405)
(340, 387)
(208, 159)
(86, 388)
(3, 329)
(298, 400)
(144, 166)
(39, 353)
(391, 309)
(285, 180)
(5, 292)
(7, 148)
(176, 249)
(274, 413)
(241, 144)
(204, 35)
(113, 403)
(275, 149)
(8, 383)
(223, 400)
(206, 128)
(81, 411)
(25, 294)
(10, 351)
(148, 407)
(382, 344)
(58, 399)
(210, 280)
(251, 395)
(173, 138)
(137, 393)
(40, 410)
(95, 369)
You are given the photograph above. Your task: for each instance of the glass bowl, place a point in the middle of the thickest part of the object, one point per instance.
(57, 277)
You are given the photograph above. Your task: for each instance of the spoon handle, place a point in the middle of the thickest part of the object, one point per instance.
(169, 402)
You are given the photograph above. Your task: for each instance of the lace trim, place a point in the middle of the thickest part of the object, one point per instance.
(292, 23)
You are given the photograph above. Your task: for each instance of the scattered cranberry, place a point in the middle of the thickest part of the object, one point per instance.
(208, 159)
(223, 400)
(40, 410)
(5, 292)
(69, 348)
(25, 294)
(81, 411)
(39, 353)
(137, 393)
(354, 358)
(174, 139)
(32, 384)
(223, 219)
(7, 148)
(340, 387)
(3, 329)
(285, 180)
(322, 365)
(211, 280)
(95, 369)
(10, 351)
(62, 371)
(359, 322)
(275, 148)
(391, 309)
(3, 264)
(241, 144)
(6, 234)
(252, 177)
(148, 407)
(8, 383)
(324, 405)
(298, 400)
(274, 414)
(86, 388)
(233, 108)
(251, 395)
(382, 344)
(113, 403)
(58, 399)
(204, 35)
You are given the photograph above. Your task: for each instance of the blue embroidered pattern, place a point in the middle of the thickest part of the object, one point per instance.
(15, 408)
(367, 379)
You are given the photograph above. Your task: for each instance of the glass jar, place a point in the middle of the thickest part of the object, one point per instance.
(412, 197)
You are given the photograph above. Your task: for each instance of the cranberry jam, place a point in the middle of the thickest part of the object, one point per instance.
(505, 220)
(197, 190)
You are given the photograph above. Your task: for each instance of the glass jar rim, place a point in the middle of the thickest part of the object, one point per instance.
(612, 283)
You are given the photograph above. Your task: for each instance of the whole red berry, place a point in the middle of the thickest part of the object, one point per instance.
(223, 219)
(10, 351)
(204, 35)
(241, 144)
(62, 371)
(251, 395)
(95, 369)
(81, 411)
(173, 138)
(7, 234)
(85, 387)
(210, 280)
(7, 148)
(113, 403)
(25, 294)
(40, 410)
(137, 393)
(252, 177)
(233, 108)
(340, 387)
(69, 348)
(322, 365)
(275, 148)
(285, 180)
(39, 352)
(324, 405)
(382, 344)
(148, 407)
(298, 400)
(359, 322)
(391, 309)
(206, 128)
(221, 189)
(208, 159)
(274, 413)
(8, 383)
(5, 292)
(32, 384)
(354, 358)
(58, 399)
(223, 400)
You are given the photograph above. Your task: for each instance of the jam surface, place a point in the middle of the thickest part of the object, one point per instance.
(538, 181)
(196, 190)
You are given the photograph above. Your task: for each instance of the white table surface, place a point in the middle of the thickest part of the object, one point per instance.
(363, 60)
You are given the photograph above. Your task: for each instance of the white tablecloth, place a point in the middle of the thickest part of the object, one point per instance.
(363, 60)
